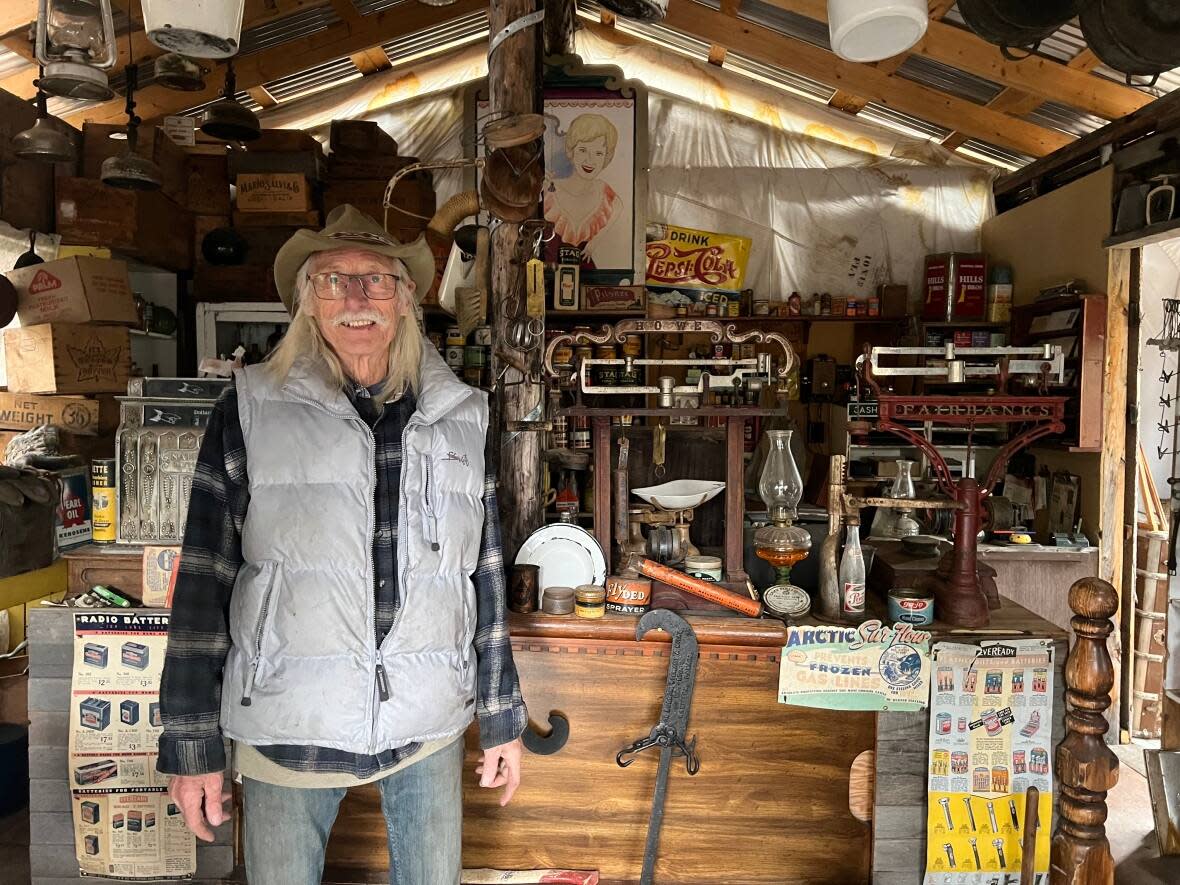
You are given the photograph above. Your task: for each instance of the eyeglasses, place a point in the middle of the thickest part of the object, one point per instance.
(334, 286)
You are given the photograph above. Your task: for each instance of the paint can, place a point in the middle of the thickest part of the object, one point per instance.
(910, 606)
(942, 723)
(628, 595)
(103, 517)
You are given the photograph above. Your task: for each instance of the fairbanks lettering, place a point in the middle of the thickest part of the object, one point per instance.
(972, 410)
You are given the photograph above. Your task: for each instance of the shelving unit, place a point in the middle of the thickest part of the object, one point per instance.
(1084, 364)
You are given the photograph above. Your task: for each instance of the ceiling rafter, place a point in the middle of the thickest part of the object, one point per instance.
(1021, 104)
(772, 47)
(960, 48)
(336, 41)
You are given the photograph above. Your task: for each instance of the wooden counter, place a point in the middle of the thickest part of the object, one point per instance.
(771, 803)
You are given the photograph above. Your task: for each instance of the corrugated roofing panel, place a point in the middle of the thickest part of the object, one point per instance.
(11, 63)
(993, 154)
(452, 34)
(899, 122)
(371, 7)
(242, 97)
(290, 27)
(1064, 118)
(294, 86)
(791, 23)
(943, 77)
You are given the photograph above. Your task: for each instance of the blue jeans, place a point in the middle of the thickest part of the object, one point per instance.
(287, 827)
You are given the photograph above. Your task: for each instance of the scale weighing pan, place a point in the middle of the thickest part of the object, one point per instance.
(680, 494)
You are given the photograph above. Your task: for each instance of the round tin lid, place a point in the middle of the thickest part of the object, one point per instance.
(786, 601)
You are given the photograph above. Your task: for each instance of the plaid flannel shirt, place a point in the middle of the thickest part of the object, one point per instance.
(198, 639)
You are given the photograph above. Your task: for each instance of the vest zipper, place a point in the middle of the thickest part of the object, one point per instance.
(249, 689)
(431, 524)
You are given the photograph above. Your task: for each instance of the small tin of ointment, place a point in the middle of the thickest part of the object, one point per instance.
(557, 600)
(707, 568)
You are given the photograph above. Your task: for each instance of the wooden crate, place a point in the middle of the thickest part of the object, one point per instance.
(362, 137)
(248, 282)
(414, 195)
(208, 184)
(142, 224)
(26, 187)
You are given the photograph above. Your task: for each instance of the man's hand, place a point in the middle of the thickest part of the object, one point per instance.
(200, 799)
(501, 768)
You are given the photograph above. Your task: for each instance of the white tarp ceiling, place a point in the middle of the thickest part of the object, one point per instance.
(831, 203)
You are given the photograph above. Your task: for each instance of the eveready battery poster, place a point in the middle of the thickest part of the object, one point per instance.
(870, 667)
(124, 824)
(991, 710)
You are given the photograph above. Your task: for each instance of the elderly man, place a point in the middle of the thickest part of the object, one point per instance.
(339, 611)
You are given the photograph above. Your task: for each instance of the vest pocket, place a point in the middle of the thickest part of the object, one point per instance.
(429, 492)
(259, 592)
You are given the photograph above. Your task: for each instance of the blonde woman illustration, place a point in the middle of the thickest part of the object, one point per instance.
(585, 211)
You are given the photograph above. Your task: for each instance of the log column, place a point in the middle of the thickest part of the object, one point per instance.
(513, 82)
(1086, 767)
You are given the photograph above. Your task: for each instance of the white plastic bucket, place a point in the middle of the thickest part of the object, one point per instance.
(872, 30)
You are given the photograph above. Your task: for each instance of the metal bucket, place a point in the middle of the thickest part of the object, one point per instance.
(640, 10)
(1135, 37)
(1016, 24)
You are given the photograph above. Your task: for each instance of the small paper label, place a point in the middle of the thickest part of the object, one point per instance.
(535, 277)
(182, 130)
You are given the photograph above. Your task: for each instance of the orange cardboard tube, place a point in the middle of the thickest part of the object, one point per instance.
(700, 588)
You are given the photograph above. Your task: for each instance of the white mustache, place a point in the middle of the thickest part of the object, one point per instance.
(360, 316)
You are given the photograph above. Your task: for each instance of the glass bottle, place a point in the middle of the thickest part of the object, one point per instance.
(904, 524)
(852, 576)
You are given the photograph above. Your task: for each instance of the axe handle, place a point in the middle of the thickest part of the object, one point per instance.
(703, 589)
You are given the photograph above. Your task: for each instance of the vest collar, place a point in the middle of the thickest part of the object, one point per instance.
(439, 391)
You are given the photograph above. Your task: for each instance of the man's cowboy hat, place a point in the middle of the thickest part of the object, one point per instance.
(349, 228)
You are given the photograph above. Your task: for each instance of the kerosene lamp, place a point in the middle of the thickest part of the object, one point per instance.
(782, 543)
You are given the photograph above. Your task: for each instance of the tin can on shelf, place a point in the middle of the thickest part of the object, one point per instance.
(762, 307)
(910, 606)
(608, 376)
(454, 356)
(632, 346)
(455, 337)
(483, 336)
(103, 518)
(628, 595)
(589, 601)
(707, 568)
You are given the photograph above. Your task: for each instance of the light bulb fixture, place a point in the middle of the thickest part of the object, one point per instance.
(45, 142)
(174, 71)
(226, 119)
(639, 10)
(196, 28)
(872, 30)
(75, 44)
(129, 170)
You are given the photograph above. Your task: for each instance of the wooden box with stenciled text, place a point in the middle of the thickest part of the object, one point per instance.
(67, 358)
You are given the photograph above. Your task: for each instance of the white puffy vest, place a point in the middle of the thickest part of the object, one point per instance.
(304, 667)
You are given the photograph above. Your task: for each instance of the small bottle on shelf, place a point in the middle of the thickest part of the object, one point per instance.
(852, 576)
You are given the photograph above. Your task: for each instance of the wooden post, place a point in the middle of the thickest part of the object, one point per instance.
(1086, 767)
(513, 87)
(559, 27)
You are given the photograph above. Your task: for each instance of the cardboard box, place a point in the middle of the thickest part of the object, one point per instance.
(74, 290)
(273, 192)
(67, 358)
(160, 565)
(14, 690)
(143, 224)
(77, 414)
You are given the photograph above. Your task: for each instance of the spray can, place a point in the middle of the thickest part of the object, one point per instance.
(103, 517)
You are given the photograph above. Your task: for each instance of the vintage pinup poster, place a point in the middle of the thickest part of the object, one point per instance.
(991, 712)
(125, 827)
(870, 667)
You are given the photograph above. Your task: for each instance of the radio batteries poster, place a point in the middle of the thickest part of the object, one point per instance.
(125, 827)
(991, 712)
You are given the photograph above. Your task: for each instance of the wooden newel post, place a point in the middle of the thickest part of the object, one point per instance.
(1086, 767)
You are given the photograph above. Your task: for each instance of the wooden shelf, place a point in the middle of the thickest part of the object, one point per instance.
(964, 324)
(140, 333)
(706, 412)
(595, 314)
(1144, 236)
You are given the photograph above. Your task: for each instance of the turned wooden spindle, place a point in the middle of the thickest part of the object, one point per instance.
(1086, 767)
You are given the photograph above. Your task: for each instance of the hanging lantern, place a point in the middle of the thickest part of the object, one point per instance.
(76, 46)
(197, 28)
(226, 118)
(129, 170)
(45, 142)
(872, 30)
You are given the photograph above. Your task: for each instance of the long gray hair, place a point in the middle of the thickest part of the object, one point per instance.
(304, 338)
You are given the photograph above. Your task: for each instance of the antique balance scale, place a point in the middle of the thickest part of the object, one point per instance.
(958, 596)
(673, 506)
